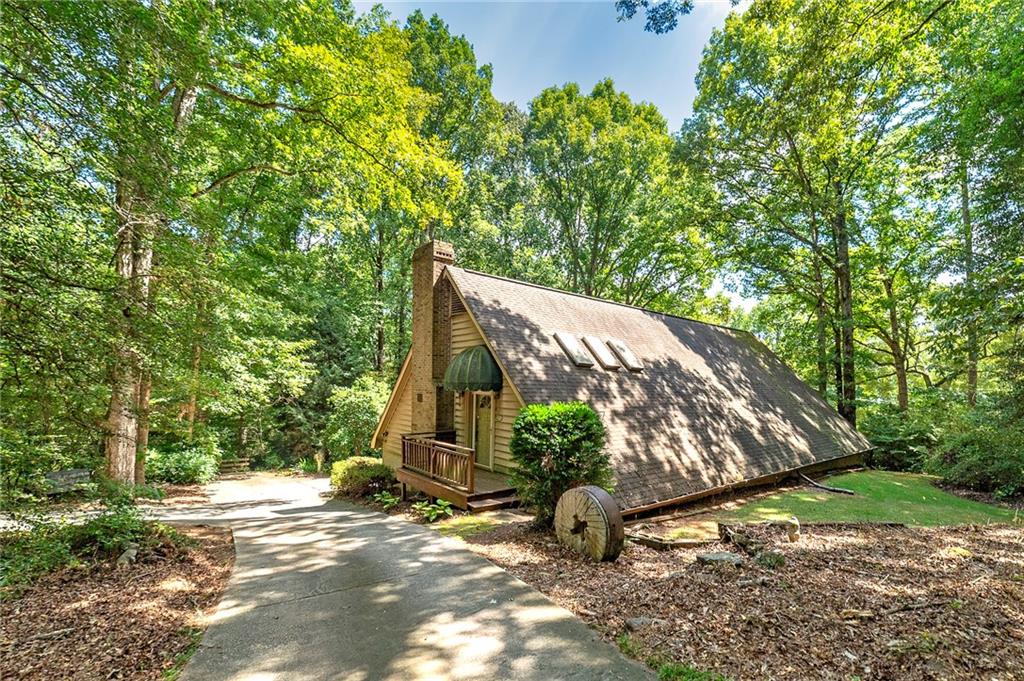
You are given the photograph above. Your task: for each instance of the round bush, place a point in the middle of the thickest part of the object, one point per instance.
(557, 447)
(181, 465)
(361, 476)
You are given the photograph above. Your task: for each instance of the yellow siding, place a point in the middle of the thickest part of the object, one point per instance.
(465, 335)
(400, 423)
(507, 408)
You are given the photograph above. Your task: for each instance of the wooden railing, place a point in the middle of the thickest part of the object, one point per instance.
(445, 462)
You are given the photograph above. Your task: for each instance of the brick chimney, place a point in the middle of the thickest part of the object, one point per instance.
(431, 410)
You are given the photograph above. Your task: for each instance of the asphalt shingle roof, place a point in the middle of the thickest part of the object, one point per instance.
(711, 407)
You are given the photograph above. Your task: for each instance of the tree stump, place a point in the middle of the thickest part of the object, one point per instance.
(588, 521)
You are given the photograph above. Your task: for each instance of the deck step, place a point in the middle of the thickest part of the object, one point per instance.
(492, 503)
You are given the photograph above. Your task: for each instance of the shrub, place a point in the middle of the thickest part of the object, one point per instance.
(361, 476)
(25, 461)
(986, 456)
(557, 447)
(307, 465)
(183, 464)
(354, 414)
(902, 441)
(51, 544)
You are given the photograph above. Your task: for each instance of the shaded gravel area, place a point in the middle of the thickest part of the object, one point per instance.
(867, 603)
(110, 622)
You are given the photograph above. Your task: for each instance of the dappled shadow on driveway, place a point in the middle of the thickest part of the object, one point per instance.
(334, 591)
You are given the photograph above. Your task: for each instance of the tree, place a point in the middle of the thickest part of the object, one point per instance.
(174, 114)
(616, 212)
(354, 415)
(796, 100)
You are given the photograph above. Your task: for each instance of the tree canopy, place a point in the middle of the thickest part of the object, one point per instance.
(208, 211)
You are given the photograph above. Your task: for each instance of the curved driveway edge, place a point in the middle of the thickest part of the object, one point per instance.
(330, 590)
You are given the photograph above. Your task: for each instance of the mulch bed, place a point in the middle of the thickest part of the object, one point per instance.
(111, 622)
(868, 603)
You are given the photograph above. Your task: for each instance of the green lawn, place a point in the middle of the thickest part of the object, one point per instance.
(882, 496)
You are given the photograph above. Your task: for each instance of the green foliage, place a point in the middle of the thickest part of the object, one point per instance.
(986, 455)
(557, 447)
(627, 645)
(307, 465)
(901, 440)
(432, 512)
(354, 414)
(685, 672)
(360, 476)
(49, 544)
(386, 499)
(25, 461)
(183, 463)
(605, 177)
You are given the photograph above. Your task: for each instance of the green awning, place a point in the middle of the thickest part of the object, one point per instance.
(473, 369)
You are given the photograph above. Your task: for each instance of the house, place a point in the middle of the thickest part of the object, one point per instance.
(690, 408)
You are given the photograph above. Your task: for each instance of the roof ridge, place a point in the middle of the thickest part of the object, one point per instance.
(599, 300)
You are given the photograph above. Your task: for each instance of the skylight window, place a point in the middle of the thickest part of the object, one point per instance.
(604, 356)
(572, 348)
(625, 355)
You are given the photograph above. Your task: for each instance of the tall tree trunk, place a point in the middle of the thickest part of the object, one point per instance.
(896, 348)
(142, 272)
(142, 429)
(821, 329)
(972, 327)
(121, 426)
(193, 391)
(847, 406)
(378, 285)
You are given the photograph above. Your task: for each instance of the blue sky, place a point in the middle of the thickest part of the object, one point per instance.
(534, 45)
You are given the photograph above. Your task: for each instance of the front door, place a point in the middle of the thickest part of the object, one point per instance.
(482, 413)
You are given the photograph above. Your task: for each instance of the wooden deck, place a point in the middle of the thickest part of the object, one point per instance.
(492, 491)
(447, 471)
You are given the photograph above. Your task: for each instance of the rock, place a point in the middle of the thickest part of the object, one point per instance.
(129, 555)
(638, 623)
(770, 559)
(720, 558)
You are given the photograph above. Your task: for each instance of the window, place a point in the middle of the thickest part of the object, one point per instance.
(625, 355)
(572, 348)
(604, 356)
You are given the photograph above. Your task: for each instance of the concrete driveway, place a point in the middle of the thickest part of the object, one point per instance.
(324, 589)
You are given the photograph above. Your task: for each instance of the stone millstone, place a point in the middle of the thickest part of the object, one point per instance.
(720, 558)
(588, 521)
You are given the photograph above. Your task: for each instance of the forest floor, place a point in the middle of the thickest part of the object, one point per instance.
(139, 621)
(872, 602)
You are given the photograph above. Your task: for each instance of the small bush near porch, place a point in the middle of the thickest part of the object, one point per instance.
(557, 447)
(361, 476)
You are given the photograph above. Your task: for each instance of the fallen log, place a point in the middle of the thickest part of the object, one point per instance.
(837, 490)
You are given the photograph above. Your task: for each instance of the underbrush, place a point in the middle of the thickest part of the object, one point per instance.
(44, 544)
(361, 476)
(183, 464)
(979, 448)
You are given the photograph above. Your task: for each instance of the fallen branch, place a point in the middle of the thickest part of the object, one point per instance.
(838, 490)
(915, 606)
(660, 544)
(50, 634)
